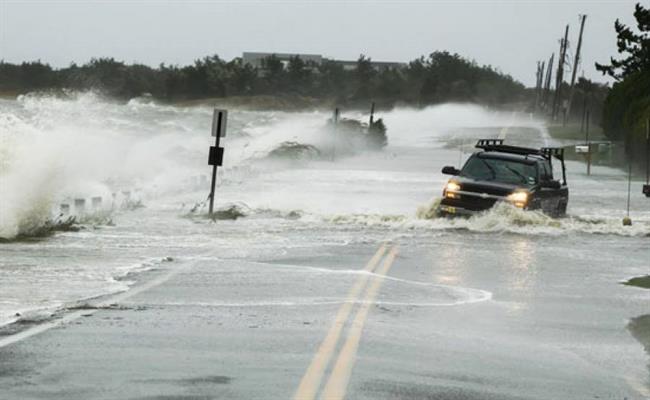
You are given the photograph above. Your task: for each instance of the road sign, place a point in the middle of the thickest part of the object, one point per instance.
(216, 156)
(219, 119)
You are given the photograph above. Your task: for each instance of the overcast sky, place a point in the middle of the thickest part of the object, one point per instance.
(511, 35)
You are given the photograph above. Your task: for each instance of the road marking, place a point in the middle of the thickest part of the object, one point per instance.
(340, 377)
(311, 380)
(45, 326)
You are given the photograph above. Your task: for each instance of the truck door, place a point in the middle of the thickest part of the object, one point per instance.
(549, 197)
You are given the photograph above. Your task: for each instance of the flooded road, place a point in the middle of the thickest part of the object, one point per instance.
(335, 281)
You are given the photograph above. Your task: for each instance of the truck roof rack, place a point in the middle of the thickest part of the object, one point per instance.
(557, 152)
(497, 145)
(546, 152)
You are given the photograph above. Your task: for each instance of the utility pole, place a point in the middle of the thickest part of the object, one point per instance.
(541, 81)
(576, 62)
(559, 77)
(547, 85)
(538, 84)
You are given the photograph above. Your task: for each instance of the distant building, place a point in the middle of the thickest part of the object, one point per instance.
(256, 59)
(378, 66)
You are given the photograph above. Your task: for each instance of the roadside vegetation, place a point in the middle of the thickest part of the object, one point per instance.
(440, 77)
(627, 106)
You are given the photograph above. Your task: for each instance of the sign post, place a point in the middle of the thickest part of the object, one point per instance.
(336, 123)
(588, 144)
(646, 187)
(215, 157)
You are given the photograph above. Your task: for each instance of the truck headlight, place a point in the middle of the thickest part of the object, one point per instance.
(451, 189)
(519, 199)
(453, 186)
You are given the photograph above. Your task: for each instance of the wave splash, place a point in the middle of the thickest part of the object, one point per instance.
(502, 217)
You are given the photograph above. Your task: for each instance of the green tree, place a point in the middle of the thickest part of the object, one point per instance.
(634, 47)
(364, 73)
(627, 105)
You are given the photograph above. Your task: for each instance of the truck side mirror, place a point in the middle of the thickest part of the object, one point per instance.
(449, 170)
(551, 184)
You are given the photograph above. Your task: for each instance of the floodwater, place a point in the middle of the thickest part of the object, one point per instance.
(557, 280)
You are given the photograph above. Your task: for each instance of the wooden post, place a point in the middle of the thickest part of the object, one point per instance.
(576, 62)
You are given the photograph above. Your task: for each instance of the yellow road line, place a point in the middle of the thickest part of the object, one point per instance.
(311, 380)
(338, 382)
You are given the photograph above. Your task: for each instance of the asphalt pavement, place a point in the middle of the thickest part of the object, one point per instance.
(325, 323)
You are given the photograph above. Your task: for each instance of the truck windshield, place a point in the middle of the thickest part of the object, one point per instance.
(499, 170)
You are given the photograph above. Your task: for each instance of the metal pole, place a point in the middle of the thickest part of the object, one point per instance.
(647, 151)
(629, 188)
(214, 167)
(588, 144)
(336, 122)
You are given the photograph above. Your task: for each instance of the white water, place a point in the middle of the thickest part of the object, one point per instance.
(56, 150)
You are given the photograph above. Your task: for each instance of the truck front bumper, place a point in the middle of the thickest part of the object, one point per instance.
(455, 211)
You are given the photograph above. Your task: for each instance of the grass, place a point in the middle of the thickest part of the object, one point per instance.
(639, 281)
(572, 132)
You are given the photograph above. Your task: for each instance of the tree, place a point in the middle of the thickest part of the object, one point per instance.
(273, 72)
(299, 74)
(364, 74)
(634, 47)
(628, 102)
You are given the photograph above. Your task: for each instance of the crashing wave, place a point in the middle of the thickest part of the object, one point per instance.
(41, 229)
(295, 151)
(234, 211)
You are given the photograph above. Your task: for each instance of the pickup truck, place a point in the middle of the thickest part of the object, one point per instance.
(521, 176)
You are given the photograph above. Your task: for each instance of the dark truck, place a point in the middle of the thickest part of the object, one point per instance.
(520, 176)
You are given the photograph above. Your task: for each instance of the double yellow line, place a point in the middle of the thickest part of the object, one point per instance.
(337, 383)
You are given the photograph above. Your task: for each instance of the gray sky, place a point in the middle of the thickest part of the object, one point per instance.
(510, 35)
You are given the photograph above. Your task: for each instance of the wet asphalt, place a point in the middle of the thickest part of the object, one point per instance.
(448, 324)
